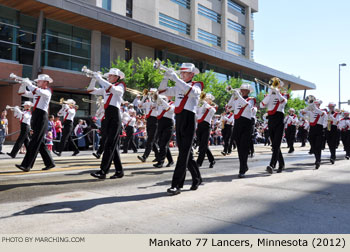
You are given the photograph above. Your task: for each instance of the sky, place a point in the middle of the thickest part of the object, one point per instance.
(308, 39)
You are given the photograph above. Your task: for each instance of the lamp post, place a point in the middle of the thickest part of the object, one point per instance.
(343, 64)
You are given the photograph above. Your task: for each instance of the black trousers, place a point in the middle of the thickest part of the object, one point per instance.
(202, 133)
(226, 135)
(37, 144)
(290, 136)
(332, 139)
(276, 127)
(185, 129)
(151, 128)
(23, 138)
(251, 144)
(267, 137)
(111, 147)
(67, 137)
(315, 138)
(302, 135)
(129, 139)
(103, 138)
(345, 137)
(165, 131)
(242, 131)
(232, 142)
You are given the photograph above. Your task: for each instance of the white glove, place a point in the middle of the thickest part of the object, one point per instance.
(96, 75)
(22, 89)
(171, 75)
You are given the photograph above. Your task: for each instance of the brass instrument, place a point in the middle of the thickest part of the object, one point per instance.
(98, 101)
(274, 83)
(89, 73)
(19, 79)
(158, 65)
(62, 101)
(310, 99)
(11, 108)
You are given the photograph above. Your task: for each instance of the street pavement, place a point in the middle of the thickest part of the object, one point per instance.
(67, 199)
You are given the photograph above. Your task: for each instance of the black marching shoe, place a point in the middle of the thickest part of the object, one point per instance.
(317, 165)
(211, 165)
(117, 175)
(332, 160)
(173, 191)
(223, 153)
(158, 165)
(75, 153)
(57, 153)
(280, 169)
(241, 175)
(195, 184)
(142, 159)
(347, 157)
(269, 169)
(25, 169)
(169, 164)
(8, 153)
(48, 167)
(97, 155)
(291, 151)
(98, 174)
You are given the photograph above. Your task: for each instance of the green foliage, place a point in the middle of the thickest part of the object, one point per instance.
(295, 103)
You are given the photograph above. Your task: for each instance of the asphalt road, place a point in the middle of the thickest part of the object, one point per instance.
(67, 199)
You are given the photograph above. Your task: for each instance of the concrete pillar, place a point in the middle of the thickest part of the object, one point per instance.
(248, 11)
(95, 63)
(194, 20)
(224, 10)
(37, 51)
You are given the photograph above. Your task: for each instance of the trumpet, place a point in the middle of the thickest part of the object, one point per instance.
(62, 101)
(20, 79)
(11, 108)
(134, 91)
(98, 101)
(89, 73)
(158, 65)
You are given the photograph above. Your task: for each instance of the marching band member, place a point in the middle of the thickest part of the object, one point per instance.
(204, 115)
(227, 120)
(275, 103)
(165, 116)
(186, 94)
(41, 95)
(318, 122)
(303, 128)
(344, 127)
(150, 108)
(68, 111)
(242, 105)
(24, 117)
(291, 122)
(113, 91)
(332, 130)
(129, 120)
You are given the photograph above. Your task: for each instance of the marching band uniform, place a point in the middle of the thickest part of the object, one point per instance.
(332, 130)
(129, 121)
(275, 103)
(23, 138)
(151, 127)
(68, 114)
(344, 127)
(204, 115)
(39, 122)
(113, 93)
(303, 127)
(186, 101)
(291, 122)
(242, 107)
(227, 120)
(165, 116)
(318, 121)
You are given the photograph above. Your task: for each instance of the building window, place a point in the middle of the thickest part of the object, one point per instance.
(236, 26)
(128, 50)
(8, 33)
(252, 15)
(174, 24)
(208, 37)
(105, 51)
(183, 3)
(240, 50)
(129, 8)
(236, 6)
(208, 13)
(252, 54)
(106, 4)
(252, 34)
(26, 39)
(66, 46)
